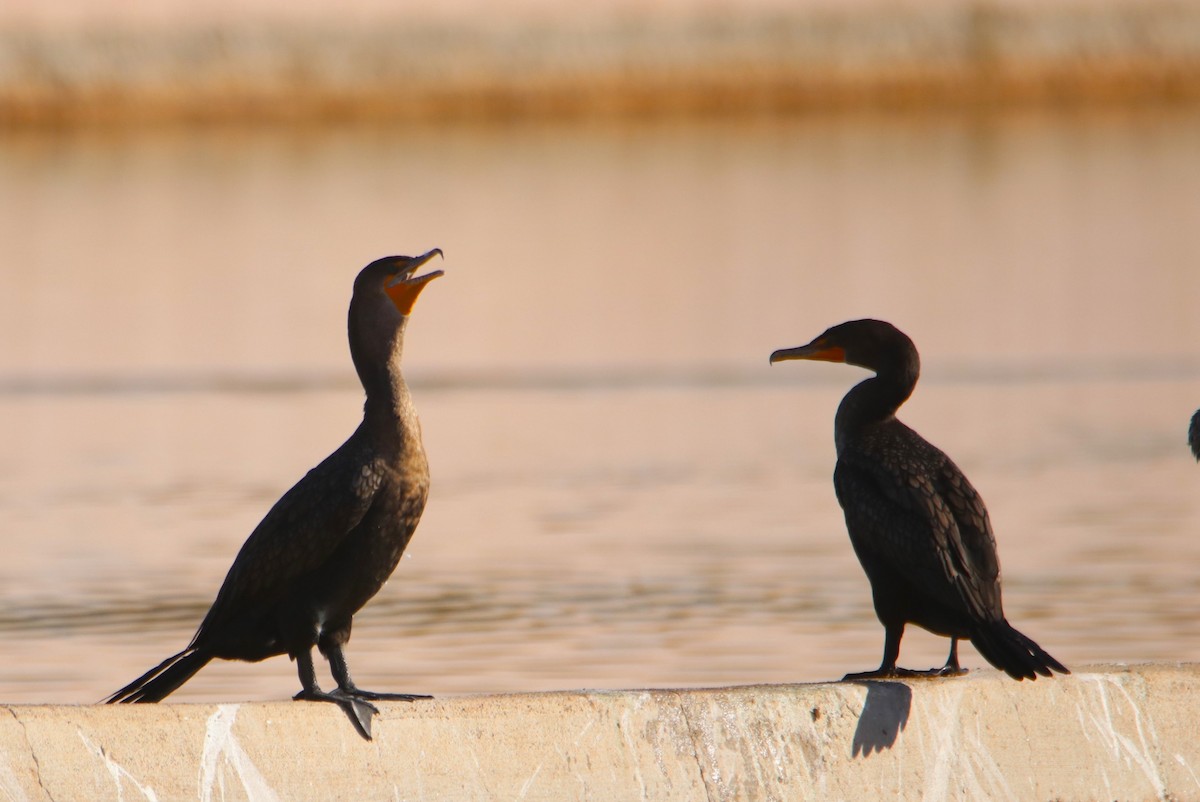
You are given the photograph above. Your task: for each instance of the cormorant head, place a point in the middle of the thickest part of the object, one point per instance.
(396, 276)
(871, 344)
(384, 294)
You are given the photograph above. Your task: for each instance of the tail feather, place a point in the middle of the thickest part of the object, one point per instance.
(160, 681)
(1014, 653)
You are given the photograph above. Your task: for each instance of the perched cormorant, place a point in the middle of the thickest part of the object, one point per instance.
(1194, 435)
(917, 525)
(331, 542)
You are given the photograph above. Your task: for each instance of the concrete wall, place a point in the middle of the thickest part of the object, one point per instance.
(1106, 732)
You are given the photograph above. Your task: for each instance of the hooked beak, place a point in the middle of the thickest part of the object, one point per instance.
(816, 351)
(405, 289)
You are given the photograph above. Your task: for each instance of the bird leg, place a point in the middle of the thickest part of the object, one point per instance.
(358, 709)
(952, 668)
(341, 674)
(891, 651)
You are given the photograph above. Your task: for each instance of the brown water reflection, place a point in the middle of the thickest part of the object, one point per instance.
(624, 493)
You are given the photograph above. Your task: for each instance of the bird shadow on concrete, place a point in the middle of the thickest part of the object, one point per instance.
(884, 715)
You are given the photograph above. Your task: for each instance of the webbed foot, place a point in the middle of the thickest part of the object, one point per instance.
(892, 673)
(359, 710)
(359, 693)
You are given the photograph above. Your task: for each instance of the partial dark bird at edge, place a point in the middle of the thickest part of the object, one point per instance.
(1194, 435)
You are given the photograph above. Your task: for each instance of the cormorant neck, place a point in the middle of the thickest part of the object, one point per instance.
(876, 399)
(388, 403)
(377, 360)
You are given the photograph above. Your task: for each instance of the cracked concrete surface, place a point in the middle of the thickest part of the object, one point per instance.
(1112, 732)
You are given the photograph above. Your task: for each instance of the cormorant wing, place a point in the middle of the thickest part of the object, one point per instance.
(974, 544)
(909, 509)
(298, 534)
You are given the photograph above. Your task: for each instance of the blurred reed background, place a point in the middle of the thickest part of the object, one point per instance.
(121, 62)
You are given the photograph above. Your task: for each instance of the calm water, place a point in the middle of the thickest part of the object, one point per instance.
(625, 494)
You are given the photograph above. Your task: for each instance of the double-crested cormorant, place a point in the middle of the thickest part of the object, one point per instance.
(917, 525)
(331, 542)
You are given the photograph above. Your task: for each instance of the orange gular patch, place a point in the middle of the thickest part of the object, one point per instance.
(834, 353)
(404, 292)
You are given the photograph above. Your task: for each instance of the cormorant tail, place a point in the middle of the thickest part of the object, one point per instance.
(160, 681)
(1013, 653)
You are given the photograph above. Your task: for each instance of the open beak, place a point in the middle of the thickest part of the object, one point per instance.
(407, 286)
(817, 350)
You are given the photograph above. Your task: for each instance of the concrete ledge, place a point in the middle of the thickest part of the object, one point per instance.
(1107, 732)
